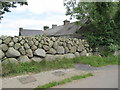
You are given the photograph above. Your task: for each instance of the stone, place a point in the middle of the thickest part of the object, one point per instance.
(42, 42)
(45, 47)
(22, 42)
(34, 40)
(55, 45)
(36, 59)
(30, 43)
(15, 39)
(23, 37)
(51, 51)
(1, 47)
(83, 53)
(70, 55)
(11, 44)
(87, 49)
(10, 60)
(36, 43)
(39, 39)
(40, 52)
(51, 44)
(64, 44)
(24, 59)
(60, 43)
(29, 38)
(48, 39)
(4, 47)
(59, 56)
(26, 40)
(69, 46)
(40, 45)
(26, 46)
(77, 42)
(66, 50)
(0, 41)
(19, 38)
(17, 45)
(80, 48)
(53, 39)
(46, 43)
(89, 54)
(29, 53)
(73, 49)
(1, 71)
(60, 50)
(12, 53)
(116, 53)
(22, 50)
(1, 54)
(34, 47)
(3, 37)
(69, 42)
(77, 54)
(86, 45)
(50, 57)
(7, 40)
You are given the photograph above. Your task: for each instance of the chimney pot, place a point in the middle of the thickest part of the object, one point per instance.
(66, 22)
(54, 25)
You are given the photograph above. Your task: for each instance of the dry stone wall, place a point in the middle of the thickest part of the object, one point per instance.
(25, 49)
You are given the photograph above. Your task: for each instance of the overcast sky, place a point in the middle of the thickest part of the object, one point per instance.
(37, 14)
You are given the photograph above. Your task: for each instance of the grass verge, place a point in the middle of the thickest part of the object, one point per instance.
(64, 81)
(97, 61)
(33, 67)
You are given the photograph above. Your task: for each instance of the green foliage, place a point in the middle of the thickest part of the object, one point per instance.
(45, 27)
(104, 19)
(44, 35)
(64, 81)
(34, 67)
(97, 61)
(5, 6)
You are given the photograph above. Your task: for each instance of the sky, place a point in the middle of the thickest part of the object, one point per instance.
(37, 14)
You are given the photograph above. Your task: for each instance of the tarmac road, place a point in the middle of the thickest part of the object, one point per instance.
(107, 77)
(104, 77)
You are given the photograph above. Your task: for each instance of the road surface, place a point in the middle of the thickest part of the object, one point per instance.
(106, 77)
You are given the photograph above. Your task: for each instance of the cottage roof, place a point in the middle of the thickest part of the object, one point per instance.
(68, 29)
(30, 32)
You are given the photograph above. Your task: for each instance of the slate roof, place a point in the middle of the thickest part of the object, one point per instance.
(63, 30)
(29, 32)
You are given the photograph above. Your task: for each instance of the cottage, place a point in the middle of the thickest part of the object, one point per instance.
(29, 32)
(66, 30)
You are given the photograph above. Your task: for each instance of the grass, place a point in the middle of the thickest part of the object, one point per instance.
(64, 81)
(33, 67)
(97, 61)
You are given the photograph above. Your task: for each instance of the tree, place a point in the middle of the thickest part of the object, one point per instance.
(5, 6)
(103, 16)
(46, 27)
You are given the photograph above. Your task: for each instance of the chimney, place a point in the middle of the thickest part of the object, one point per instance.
(66, 22)
(20, 31)
(54, 25)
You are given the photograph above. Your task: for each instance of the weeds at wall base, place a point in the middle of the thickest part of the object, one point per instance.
(33, 67)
